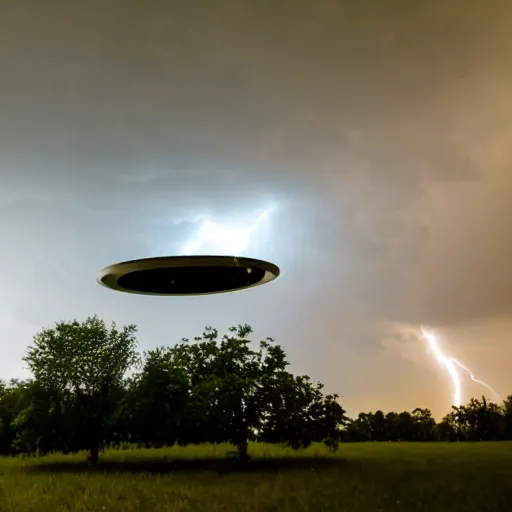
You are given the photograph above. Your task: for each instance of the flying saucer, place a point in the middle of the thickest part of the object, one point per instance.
(187, 275)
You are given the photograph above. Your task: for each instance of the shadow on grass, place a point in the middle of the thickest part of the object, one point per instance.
(162, 466)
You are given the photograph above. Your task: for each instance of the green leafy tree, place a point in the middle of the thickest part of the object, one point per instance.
(425, 428)
(225, 400)
(14, 398)
(378, 426)
(359, 429)
(83, 365)
(158, 399)
(406, 427)
(453, 426)
(231, 390)
(329, 420)
(393, 426)
(483, 420)
(506, 409)
(42, 425)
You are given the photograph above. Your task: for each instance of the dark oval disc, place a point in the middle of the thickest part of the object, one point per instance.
(187, 275)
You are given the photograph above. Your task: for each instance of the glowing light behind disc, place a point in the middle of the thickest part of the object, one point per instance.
(224, 239)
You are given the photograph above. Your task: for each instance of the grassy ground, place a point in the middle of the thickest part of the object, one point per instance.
(370, 477)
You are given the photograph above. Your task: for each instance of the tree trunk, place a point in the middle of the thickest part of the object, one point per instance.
(95, 453)
(242, 451)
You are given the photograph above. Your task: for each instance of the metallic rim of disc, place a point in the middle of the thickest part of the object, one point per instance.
(110, 275)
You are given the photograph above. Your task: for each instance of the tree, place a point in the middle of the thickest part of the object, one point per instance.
(41, 425)
(216, 390)
(227, 386)
(81, 366)
(329, 421)
(483, 420)
(406, 427)
(506, 409)
(209, 390)
(425, 428)
(378, 426)
(447, 429)
(359, 430)
(14, 398)
(158, 399)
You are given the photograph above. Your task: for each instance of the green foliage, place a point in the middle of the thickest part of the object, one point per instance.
(478, 420)
(78, 370)
(82, 357)
(212, 389)
(225, 390)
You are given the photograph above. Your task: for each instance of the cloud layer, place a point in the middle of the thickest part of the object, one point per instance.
(379, 132)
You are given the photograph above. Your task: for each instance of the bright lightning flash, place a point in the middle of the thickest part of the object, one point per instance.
(231, 240)
(452, 367)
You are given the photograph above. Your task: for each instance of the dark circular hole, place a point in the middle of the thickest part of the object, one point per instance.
(191, 280)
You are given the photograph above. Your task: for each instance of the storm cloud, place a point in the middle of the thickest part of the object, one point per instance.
(378, 130)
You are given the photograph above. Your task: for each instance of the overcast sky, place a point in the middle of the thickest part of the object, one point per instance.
(379, 130)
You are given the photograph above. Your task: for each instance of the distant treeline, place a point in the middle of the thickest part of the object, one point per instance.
(479, 420)
(92, 388)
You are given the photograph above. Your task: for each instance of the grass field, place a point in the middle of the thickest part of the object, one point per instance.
(369, 477)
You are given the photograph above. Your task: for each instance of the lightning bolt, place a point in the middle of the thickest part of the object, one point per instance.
(448, 364)
(496, 395)
(234, 241)
(452, 367)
